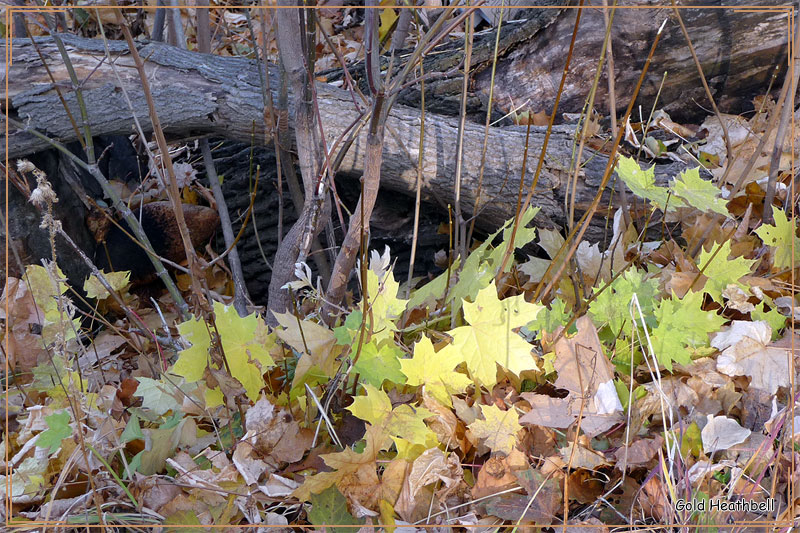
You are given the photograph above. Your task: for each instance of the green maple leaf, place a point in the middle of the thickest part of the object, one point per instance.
(682, 324)
(698, 193)
(524, 236)
(549, 319)
(611, 307)
(403, 421)
(246, 356)
(346, 333)
(722, 271)
(379, 364)
(780, 237)
(58, 424)
(431, 291)
(641, 182)
(489, 339)
(498, 429)
(435, 370)
(480, 266)
(330, 507)
(483, 263)
(773, 317)
(133, 430)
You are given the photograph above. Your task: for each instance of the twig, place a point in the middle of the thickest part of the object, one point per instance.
(588, 119)
(172, 190)
(418, 186)
(489, 105)
(587, 216)
(612, 106)
(731, 156)
(780, 135)
(540, 164)
(460, 225)
(240, 296)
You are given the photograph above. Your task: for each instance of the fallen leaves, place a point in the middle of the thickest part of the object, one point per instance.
(498, 429)
(465, 394)
(489, 339)
(746, 351)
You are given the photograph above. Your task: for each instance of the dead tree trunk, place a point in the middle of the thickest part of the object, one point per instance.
(199, 94)
(739, 50)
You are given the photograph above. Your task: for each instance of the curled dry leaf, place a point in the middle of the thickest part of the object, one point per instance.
(431, 467)
(640, 451)
(497, 474)
(585, 371)
(274, 434)
(721, 432)
(746, 352)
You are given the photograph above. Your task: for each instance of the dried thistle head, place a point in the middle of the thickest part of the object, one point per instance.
(43, 195)
(24, 165)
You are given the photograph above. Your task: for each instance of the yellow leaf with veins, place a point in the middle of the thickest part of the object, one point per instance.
(489, 339)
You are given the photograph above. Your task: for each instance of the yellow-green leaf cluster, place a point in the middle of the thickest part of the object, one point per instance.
(47, 289)
(435, 371)
(490, 340)
(119, 281)
(402, 421)
(246, 357)
(384, 307)
(722, 270)
(780, 238)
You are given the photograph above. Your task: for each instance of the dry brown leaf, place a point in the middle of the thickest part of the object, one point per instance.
(392, 479)
(582, 457)
(547, 411)
(275, 435)
(654, 500)
(444, 424)
(590, 525)
(585, 371)
(24, 349)
(746, 351)
(497, 474)
(585, 486)
(432, 467)
(641, 451)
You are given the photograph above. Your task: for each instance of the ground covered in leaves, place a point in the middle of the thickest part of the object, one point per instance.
(458, 402)
(656, 373)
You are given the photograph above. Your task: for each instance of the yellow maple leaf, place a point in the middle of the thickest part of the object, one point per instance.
(246, 358)
(435, 371)
(119, 281)
(312, 339)
(403, 421)
(499, 428)
(489, 338)
(383, 304)
(388, 16)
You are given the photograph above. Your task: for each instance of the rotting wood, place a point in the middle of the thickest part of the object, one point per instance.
(198, 94)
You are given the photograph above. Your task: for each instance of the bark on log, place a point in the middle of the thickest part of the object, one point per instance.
(204, 94)
(738, 49)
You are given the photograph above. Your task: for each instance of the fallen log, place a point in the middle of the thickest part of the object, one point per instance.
(200, 94)
(739, 49)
